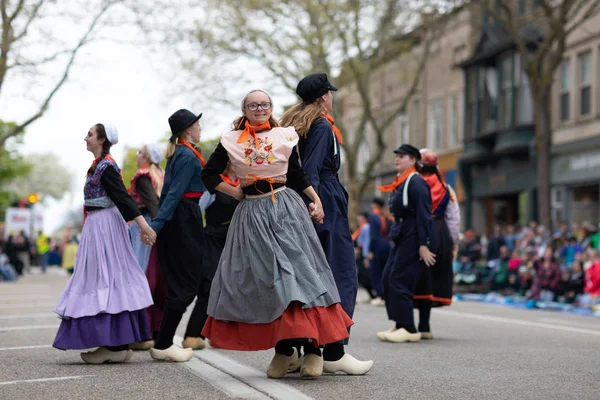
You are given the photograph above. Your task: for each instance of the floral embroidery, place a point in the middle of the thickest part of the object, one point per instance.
(254, 156)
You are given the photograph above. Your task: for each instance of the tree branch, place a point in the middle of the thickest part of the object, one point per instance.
(33, 16)
(20, 127)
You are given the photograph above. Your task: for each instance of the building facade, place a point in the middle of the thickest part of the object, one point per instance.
(575, 164)
(433, 117)
(498, 162)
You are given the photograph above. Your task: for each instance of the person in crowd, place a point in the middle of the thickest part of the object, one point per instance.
(43, 247)
(104, 303)
(362, 238)
(591, 296)
(412, 235)
(145, 188)
(180, 243)
(69, 253)
(7, 271)
(569, 252)
(273, 283)
(547, 278)
(379, 247)
(13, 258)
(574, 283)
(510, 237)
(495, 241)
(320, 150)
(469, 252)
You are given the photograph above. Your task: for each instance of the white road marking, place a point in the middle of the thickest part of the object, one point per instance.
(46, 305)
(60, 378)
(519, 322)
(569, 323)
(248, 375)
(27, 316)
(222, 381)
(28, 327)
(43, 346)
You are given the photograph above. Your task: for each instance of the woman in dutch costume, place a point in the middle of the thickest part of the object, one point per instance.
(180, 239)
(434, 288)
(411, 234)
(319, 148)
(145, 189)
(104, 304)
(273, 283)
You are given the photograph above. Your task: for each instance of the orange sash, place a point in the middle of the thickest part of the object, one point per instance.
(109, 158)
(336, 131)
(397, 181)
(192, 148)
(250, 130)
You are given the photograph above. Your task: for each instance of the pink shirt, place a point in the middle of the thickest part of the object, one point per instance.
(268, 161)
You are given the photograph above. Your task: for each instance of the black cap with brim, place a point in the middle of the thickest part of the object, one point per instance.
(180, 120)
(313, 86)
(409, 150)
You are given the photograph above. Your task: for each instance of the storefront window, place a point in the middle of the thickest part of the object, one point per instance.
(586, 204)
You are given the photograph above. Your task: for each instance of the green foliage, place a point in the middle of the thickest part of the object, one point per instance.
(12, 166)
(208, 147)
(47, 177)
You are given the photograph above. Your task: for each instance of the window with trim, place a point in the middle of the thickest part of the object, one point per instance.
(471, 106)
(506, 95)
(487, 97)
(415, 121)
(453, 121)
(565, 91)
(585, 83)
(522, 7)
(435, 125)
(402, 129)
(523, 103)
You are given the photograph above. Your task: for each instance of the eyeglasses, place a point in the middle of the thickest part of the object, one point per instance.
(263, 106)
(140, 153)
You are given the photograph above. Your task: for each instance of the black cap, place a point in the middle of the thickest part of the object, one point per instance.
(313, 86)
(410, 150)
(180, 120)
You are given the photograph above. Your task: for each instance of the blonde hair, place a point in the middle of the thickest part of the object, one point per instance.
(171, 147)
(239, 123)
(156, 172)
(301, 116)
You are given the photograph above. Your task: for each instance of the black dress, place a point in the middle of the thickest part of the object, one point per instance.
(410, 230)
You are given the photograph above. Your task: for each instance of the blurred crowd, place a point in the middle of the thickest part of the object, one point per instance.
(19, 252)
(531, 261)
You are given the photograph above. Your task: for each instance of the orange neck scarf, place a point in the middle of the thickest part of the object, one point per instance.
(250, 130)
(438, 190)
(229, 181)
(192, 148)
(397, 181)
(358, 231)
(336, 131)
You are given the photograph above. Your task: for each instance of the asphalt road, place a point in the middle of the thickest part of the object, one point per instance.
(479, 352)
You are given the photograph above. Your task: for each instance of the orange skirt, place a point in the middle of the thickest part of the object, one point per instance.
(321, 324)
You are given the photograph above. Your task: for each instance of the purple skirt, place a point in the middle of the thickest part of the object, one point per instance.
(107, 277)
(102, 330)
(105, 301)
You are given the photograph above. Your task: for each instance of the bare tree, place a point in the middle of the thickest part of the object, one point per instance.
(25, 22)
(541, 38)
(277, 42)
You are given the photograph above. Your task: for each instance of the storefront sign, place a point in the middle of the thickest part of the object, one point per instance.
(575, 168)
(584, 161)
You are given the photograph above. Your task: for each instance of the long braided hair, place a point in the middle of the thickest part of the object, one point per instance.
(100, 134)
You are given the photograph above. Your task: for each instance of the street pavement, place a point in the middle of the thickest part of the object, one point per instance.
(479, 352)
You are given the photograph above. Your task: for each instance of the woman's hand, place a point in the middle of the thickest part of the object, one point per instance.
(427, 256)
(315, 211)
(147, 235)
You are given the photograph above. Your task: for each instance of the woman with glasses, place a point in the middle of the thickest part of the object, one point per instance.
(320, 148)
(273, 283)
(146, 186)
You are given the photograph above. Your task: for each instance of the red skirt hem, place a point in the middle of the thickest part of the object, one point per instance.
(321, 324)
